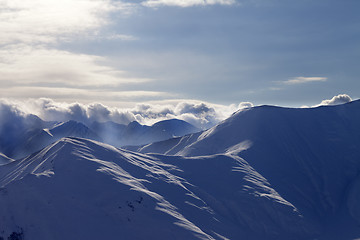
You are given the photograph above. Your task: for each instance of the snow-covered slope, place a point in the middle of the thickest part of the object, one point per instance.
(82, 189)
(326, 123)
(310, 156)
(264, 173)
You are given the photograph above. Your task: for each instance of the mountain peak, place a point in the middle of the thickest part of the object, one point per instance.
(73, 129)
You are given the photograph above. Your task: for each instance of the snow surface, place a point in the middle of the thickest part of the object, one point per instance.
(264, 173)
(82, 189)
(311, 157)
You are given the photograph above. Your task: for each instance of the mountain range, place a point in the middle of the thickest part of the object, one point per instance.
(264, 173)
(22, 136)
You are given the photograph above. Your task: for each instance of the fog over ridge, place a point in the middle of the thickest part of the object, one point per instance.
(201, 114)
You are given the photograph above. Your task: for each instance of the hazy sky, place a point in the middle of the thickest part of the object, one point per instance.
(119, 53)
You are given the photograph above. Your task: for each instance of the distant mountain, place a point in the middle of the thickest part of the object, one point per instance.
(82, 189)
(109, 131)
(24, 137)
(136, 134)
(172, 128)
(15, 131)
(72, 129)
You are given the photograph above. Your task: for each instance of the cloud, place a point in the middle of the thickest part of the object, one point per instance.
(31, 65)
(244, 105)
(200, 114)
(33, 72)
(8, 112)
(48, 21)
(301, 80)
(23, 64)
(336, 100)
(123, 37)
(186, 3)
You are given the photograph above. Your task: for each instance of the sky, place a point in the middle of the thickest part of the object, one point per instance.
(221, 53)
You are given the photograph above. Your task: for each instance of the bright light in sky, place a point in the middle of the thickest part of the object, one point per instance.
(122, 53)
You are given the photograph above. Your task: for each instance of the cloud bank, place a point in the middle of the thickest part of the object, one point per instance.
(33, 66)
(200, 114)
(336, 100)
(49, 21)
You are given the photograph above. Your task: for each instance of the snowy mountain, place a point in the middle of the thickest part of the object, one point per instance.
(23, 135)
(264, 173)
(136, 134)
(19, 139)
(72, 129)
(310, 156)
(15, 132)
(82, 189)
(268, 124)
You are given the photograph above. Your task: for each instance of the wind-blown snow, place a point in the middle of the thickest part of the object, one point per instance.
(4, 159)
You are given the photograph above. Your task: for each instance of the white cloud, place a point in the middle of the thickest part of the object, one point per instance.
(33, 72)
(47, 21)
(31, 66)
(300, 80)
(123, 37)
(83, 95)
(186, 3)
(23, 64)
(336, 100)
(244, 105)
(200, 114)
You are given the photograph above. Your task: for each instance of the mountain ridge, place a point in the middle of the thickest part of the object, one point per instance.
(141, 193)
(23, 135)
(264, 173)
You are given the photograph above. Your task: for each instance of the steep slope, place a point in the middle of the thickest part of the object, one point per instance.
(310, 156)
(82, 189)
